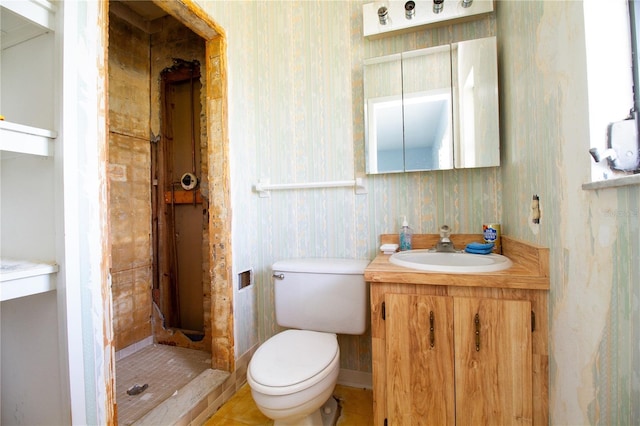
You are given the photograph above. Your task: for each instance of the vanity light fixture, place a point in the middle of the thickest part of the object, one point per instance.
(383, 15)
(409, 9)
(381, 18)
(438, 5)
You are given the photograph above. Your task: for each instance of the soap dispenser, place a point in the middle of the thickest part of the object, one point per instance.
(405, 236)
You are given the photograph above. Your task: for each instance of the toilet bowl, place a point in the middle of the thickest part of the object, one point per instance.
(293, 374)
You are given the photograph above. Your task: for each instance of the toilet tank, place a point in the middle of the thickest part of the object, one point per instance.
(327, 295)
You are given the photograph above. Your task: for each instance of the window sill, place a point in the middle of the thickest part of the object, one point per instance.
(613, 183)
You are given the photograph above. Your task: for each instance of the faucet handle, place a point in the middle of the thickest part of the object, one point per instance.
(444, 231)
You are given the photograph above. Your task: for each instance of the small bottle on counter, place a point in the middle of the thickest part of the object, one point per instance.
(491, 234)
(405, 236)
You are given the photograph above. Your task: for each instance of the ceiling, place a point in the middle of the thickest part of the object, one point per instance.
(15, 29)
(140, 13)
(147, 10)
(149, 17)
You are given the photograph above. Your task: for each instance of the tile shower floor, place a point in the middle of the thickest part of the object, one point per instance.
(164, 369)
(356, 409)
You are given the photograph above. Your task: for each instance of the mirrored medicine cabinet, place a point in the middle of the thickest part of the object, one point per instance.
(432, 109)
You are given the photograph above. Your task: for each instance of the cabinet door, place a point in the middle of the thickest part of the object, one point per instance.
(493, 362)
(419, 370)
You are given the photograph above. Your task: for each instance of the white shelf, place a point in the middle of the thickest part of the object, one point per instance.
(614, 182)
(25, 139)
(22, 278)
(24, 19)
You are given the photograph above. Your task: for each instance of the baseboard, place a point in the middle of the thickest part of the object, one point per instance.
(355, 379)
(241, 366)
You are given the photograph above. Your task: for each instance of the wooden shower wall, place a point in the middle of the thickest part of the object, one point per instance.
(136, 59)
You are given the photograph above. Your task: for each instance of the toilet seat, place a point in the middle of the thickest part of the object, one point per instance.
(293, 360)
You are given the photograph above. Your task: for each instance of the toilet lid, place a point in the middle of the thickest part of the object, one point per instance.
(292, 357)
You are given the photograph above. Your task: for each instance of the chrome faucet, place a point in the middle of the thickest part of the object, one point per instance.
(444, 245)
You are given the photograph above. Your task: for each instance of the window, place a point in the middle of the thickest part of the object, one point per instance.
(610, 78)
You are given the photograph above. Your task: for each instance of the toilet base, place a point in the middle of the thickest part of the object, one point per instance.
(330, 412)
(327, 415)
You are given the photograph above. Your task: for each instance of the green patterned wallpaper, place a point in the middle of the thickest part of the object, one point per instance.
(593, 236)
(295, 115)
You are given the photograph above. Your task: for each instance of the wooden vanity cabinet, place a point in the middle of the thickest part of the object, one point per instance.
(457, 360)
(451, 375)
(434, 364)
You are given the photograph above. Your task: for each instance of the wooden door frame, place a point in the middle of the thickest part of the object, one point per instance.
(215, 71)
(220, 254)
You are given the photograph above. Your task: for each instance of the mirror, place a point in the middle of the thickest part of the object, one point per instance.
(384, 132)
(432, 109)
(426, 89)
(476, 112)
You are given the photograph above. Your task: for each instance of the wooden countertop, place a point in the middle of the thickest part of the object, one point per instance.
(530, 268)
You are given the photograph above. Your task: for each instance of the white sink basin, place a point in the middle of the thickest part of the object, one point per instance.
(461, 263)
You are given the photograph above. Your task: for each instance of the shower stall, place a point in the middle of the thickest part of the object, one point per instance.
(179, 206)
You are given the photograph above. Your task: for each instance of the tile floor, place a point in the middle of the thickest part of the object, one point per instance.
(164, 369)
(356, 404)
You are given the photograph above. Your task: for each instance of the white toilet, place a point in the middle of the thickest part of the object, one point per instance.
(293, 374)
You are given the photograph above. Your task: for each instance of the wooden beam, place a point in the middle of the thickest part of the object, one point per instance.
(183, 197)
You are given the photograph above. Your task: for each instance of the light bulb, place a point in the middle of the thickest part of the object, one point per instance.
(409, 9)
(383, 15)
(438, 5)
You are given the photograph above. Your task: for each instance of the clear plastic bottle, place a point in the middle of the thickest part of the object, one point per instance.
(405, 236)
